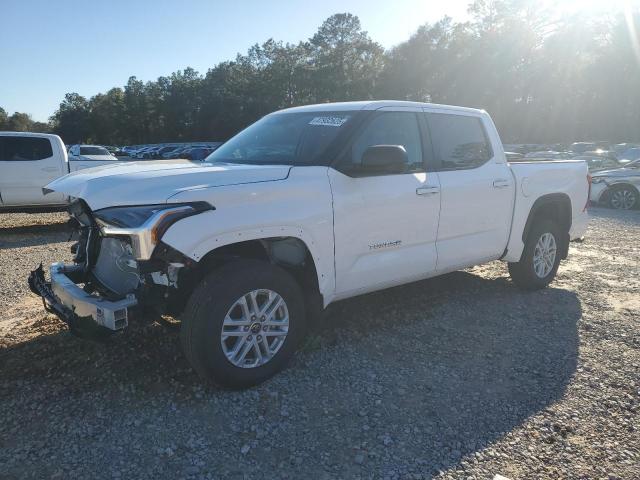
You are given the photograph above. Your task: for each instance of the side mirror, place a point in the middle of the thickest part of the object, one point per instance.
(384, 159)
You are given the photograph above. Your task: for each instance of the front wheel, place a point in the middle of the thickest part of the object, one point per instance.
(243, 323)
(540, 259)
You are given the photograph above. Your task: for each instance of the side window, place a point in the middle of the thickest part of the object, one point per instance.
(15, 148)
(459, 141)
(392, 128)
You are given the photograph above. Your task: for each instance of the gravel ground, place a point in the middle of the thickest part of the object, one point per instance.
(461, 376)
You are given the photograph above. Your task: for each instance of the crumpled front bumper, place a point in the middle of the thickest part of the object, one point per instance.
(73, 305)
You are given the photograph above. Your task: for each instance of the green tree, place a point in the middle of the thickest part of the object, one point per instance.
(107, 117)
(20, 122)
(344, 62)
(71, 120)
(136, 111)
(543, 77)
(3, 119)
(181, 104)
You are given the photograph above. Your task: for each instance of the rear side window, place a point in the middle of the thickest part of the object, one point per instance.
(26, 149)
(94, 151)
(459, 141)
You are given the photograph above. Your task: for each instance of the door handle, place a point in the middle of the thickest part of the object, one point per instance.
(501, 183)
(427, 190)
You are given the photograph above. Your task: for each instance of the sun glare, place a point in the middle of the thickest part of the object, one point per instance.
(634, 35)
(571, 7)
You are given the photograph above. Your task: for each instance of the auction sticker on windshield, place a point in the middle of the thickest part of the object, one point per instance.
(329, 121)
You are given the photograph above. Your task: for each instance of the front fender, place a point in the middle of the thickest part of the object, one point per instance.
(197, 249)
(300, 207)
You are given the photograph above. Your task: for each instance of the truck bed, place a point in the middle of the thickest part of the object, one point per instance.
(536, 180)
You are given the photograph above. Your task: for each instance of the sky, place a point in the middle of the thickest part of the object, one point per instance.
(49, 48)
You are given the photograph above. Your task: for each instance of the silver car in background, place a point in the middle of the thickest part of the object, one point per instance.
(619, 188)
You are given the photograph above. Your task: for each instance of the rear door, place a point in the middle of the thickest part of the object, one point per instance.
(477, 190)
(385, 225)
(28, 163)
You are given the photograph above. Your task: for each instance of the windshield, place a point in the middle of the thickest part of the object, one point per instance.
(284, 139)
(94, 151)
(631, 154)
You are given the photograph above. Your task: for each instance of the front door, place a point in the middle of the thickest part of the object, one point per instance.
(385, 226)
(27, 164)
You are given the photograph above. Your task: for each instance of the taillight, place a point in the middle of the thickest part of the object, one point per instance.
(588, 191)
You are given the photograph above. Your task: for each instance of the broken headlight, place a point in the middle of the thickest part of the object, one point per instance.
(145, 224)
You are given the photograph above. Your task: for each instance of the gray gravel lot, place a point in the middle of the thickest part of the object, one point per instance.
(462, 376)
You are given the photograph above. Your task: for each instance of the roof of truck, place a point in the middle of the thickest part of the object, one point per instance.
(374, 105)
(27, 134)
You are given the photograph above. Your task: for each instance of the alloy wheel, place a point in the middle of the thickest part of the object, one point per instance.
(623, 199)
(544, 255)
(255, 328)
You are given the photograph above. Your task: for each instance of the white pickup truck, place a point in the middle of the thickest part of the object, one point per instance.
(307, 206)
(29, 161)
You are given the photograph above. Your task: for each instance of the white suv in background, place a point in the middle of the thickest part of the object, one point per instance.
(92, 155)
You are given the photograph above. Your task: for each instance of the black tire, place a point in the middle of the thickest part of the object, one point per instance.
(627, 191)
(204, 315)
(523, 272)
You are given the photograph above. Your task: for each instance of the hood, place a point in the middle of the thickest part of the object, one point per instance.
(144, 183)
(616, 172)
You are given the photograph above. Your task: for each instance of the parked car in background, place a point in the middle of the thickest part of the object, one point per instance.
(548, 155)
(159, 152)
(193, 152)
(602, 153)
(29, 161)
(513, 156)
(598, 162)
(130, 150)
(581, 147)
(165, 150)
(621, 148)
(199, 153)
(559, 147)
(305, 207)
(116, 151)
(142, 152)
(629, 155)
(177, 152)
(618, 188)
(91, 153)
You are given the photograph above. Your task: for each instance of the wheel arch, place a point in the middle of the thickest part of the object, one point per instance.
(556, 207)
(287, 247)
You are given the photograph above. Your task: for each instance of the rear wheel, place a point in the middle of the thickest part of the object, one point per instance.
(623, 198)
(540, 259)
(243, 323)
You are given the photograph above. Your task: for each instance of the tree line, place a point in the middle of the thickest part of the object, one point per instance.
(21, 122)
(543, 77)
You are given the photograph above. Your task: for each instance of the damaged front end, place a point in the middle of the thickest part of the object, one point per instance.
(119, 262)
